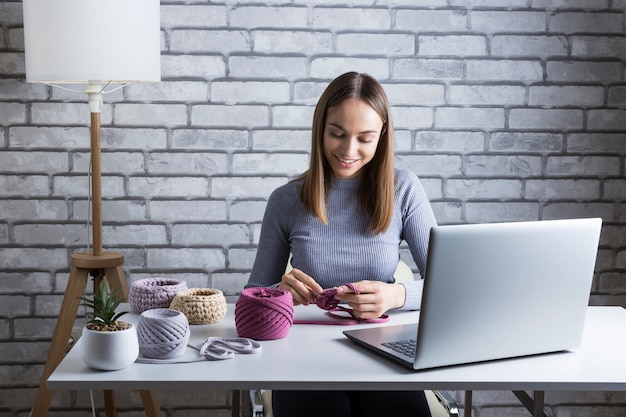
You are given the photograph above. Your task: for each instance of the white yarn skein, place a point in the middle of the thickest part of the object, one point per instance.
(163, 333)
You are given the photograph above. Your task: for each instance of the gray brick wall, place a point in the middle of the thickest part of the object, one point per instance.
(507, 110)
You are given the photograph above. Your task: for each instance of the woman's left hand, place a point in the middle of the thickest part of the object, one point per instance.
(374, 298)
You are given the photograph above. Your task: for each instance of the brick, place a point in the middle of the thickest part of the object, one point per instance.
(575, 4)
(483, 189)
(606, 119)
(467, 118)
(50, 137)
(583, 71)
(32, 258)
(15, 283)
(168, 186)
(280, 41)
(288, 140)
(428, 69)
(414, 94)
(169, 91)
(280, 67)
(448, 212)
(503, 166)
(194, 210)
(135, 234)
(205, 258)
(112, 162)
(331, 67)
(245, 187)
(598, 46)
(261, 16)
(505, 70)
(529, 45)
(449, 141)
(431, 20)
(289, 164)
(241, 259)
(617, 96)
(558, 119)
(209, 139)
(412, 117)
(249, 92)
(210, 234)
(127, 209)
(523, 141)
(210, 41)
(558, 210)
(247, 211)
(33, 209)
(452, 45)
(150, 114)
(308, 92)
(583, 165)
(195, 163)
(614, 189)
(78, 186)
(341, 17)
(193, 66)
(11, 113)
(562, 189)
(425, 165)
(374, 44)
(12, 63)
(508, 21)
(585, 22)
(173, 16)
(20, 161)
(51, 234)
(612, 143)
(231, 283)
(489, 212)
(289, 116)
(566, 96)
(504, 95)
(220, 115)
(66, 113)
(134, 138)
(24, 186)
(14, 89)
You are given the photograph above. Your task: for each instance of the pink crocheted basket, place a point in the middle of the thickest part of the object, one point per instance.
(149, 293)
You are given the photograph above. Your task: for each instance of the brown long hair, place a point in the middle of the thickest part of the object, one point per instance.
(376, 190)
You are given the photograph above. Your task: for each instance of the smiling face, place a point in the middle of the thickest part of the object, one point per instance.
(351, 137)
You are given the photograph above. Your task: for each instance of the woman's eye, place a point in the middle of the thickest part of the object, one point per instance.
(336, 134)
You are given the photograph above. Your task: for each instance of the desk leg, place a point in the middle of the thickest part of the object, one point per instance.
(150, 403)
(535, 404)
(109, 403)
(236, 402)
(467, 408)
(245, 404)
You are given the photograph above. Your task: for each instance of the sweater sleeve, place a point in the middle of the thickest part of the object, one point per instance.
(273, 250)
(417, 220)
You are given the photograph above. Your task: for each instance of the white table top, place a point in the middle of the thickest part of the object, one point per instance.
(321, 357)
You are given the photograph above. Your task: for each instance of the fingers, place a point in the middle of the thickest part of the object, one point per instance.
(374, 298)
(300, 285)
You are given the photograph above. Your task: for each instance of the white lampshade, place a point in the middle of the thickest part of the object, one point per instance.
(92, 41)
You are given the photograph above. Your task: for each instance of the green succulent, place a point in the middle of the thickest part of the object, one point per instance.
(103, 306)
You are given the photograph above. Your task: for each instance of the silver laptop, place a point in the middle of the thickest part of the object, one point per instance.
(494, 291)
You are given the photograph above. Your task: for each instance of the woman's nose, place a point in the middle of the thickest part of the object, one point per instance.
(349, 146)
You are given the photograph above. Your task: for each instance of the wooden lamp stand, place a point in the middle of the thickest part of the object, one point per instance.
(100, 265)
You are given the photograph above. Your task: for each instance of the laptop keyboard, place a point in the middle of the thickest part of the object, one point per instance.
(406, 347)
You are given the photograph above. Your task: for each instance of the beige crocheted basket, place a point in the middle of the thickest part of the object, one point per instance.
(200, 305)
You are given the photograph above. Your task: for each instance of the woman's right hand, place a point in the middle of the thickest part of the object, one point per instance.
(301, 286)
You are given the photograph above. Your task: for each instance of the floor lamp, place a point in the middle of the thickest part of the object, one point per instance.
(101, 45)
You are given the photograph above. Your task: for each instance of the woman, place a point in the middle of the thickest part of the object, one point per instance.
(342, 221)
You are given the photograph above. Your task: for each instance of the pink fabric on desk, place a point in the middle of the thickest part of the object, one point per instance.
(264, 313)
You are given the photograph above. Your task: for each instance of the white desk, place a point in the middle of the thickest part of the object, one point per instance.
(320, 357)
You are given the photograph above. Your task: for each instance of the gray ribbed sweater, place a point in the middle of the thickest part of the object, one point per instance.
(343, 250)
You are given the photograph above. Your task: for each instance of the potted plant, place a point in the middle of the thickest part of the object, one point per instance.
(108, 344)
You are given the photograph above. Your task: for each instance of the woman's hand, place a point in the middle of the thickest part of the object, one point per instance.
(301, 286)
(374, 298)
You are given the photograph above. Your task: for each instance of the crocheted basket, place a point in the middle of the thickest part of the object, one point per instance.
(200, 305)
(149, 293)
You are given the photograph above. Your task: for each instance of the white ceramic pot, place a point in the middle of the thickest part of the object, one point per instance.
(109, 351)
